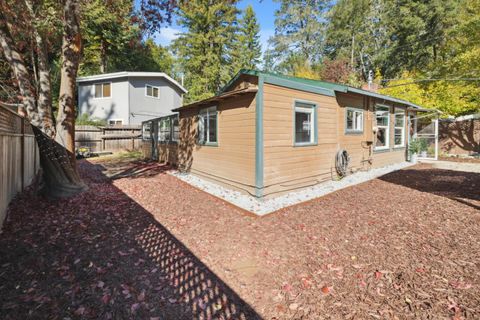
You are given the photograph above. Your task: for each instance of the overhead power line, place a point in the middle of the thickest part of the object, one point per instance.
(414, 81)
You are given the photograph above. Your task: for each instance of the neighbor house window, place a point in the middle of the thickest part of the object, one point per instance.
(103, 90)
(399, 127)
(304, 123)
(152, 91)
(382, 118)
(115, 122)
(354, 120)
(207, 126)
(164, 130)
(146, 130)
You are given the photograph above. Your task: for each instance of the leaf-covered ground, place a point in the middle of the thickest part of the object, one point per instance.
(141, 244)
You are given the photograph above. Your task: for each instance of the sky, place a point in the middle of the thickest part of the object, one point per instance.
(263, 9)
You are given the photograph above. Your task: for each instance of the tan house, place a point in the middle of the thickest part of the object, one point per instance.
(266, 133)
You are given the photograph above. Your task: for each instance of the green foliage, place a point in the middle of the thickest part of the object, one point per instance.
(414, 146)
(247, 51)
(354, 34)
(85, 120)
(205, 49)
(107, 34)
(412, 40)
(298, 34)
(113, 41)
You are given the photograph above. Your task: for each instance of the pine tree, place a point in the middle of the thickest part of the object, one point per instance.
(109, 35)
(299, 32)
(205, 49)
(248, 50)
(355, 33)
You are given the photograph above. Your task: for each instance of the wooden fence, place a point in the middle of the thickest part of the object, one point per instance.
(460, 136)
(19, 158)
(108, 138)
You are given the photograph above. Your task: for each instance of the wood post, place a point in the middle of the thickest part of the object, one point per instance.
(22, 153)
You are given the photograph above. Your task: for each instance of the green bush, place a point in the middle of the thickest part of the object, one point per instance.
(85, 120)
(414, 147)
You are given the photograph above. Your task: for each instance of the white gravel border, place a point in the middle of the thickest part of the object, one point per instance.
(262, 207)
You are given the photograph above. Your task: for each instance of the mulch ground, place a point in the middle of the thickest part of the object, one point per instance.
(455, 159)
(140, 244)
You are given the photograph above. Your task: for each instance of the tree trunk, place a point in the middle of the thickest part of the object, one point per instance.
(44, 102)
(353, 51)
(103, 57)
(60, 178)
(71, 52)
(17, 63)
(59, 164)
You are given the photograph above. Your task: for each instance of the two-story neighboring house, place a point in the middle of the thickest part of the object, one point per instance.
(128, 97)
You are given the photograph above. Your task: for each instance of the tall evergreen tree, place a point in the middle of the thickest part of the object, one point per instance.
(356, 33)
(418, 30)
(248, 50)
(299, 29)
(205, 49)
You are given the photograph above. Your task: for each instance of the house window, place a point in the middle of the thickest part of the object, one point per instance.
(146, 131)
(115, 122)
(103, 90)
(207, 126)
(399, 128)
(304, 123)
(354, 120)
(382, 118)
(164, 130)
(176, 130)
(152, 91)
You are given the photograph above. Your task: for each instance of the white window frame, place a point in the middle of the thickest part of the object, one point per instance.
(308, 108)
(356, 128)
(387, 127)
(162, 133)
(102, 84)
(114, 120)
(153, 87)
(176, 133)
(399, 111)
(205, 125)
(146, 136)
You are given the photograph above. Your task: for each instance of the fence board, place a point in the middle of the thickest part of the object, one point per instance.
(113, 139)
(460, 137)
(19, 161)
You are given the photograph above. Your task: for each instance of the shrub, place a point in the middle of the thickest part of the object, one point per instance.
(85, 120)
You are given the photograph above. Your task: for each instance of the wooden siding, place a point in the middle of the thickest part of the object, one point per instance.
(233, 160)
(167, 152)
(19, 158)
(288, 167)
(358, 145)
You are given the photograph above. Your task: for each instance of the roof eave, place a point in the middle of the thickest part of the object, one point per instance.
(121, 74)
(228, 94)
(383, 97)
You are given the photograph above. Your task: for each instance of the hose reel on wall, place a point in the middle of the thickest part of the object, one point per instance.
(342, 161)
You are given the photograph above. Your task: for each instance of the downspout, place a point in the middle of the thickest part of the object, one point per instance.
(259, 146)
(128, 99)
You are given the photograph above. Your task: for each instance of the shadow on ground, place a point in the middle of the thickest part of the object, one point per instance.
(459, 186)
(100, 255)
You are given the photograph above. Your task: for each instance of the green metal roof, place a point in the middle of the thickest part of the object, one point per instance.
(316, 86)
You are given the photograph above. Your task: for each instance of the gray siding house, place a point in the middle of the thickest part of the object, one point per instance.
(128, 97)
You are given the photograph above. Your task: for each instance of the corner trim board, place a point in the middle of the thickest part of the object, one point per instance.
(259, 138)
